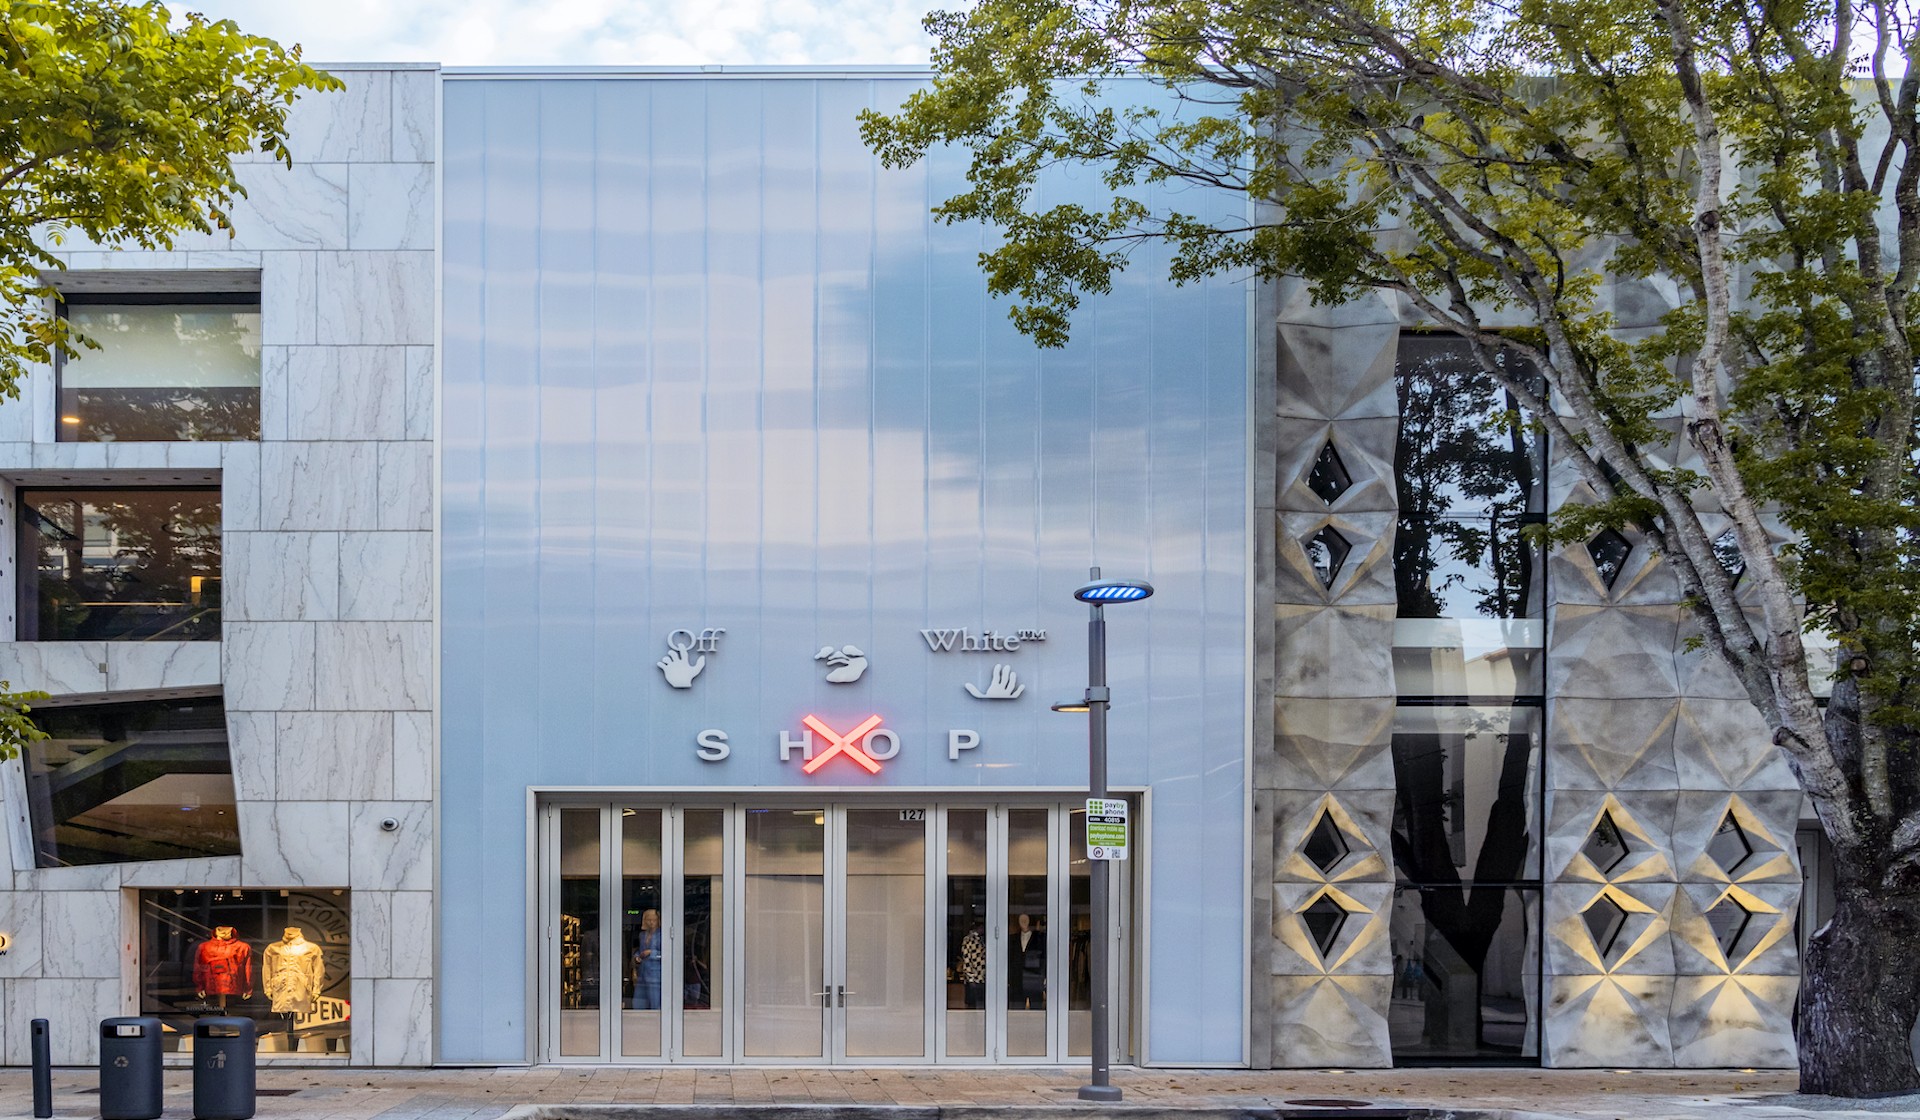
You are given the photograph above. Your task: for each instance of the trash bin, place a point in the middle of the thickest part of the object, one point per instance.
(130, 1068)
(223, 1068)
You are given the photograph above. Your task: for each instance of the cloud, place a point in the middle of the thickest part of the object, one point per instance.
(588, 32)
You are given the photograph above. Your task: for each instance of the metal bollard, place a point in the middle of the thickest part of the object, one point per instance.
(223, 1068)
(42, 1071)
(130, 1068)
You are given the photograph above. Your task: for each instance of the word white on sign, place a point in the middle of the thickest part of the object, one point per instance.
(963, 640)
(1106, 828)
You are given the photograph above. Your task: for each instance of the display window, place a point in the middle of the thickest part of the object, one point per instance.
(279, 957)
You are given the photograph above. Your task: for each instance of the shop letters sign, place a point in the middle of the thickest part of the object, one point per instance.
(867, 744)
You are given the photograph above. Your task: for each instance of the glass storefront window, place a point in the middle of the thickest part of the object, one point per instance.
(967, 940)
(1466, 973)
(1482, 659)
(1464, 447)
(703, 890)
(119, 565)
(1466, 567)
(643, 935)
(162, 371)
(579, 945)
(1028, 890)
(1467, 805)
(279, 957)
(120, 782)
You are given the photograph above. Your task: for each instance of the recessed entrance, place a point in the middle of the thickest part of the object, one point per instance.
(858, 932)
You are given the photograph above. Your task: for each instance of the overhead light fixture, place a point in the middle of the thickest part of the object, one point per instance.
(1114, 591)
(1072, 706)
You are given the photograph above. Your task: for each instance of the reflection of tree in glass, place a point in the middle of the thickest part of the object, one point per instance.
(1432, 802)
(1466, 465)
(191, 392)
(124, 564)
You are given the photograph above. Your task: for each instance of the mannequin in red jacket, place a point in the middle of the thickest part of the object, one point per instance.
(223, 967)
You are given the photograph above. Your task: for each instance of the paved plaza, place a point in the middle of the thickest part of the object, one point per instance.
(554, 1093)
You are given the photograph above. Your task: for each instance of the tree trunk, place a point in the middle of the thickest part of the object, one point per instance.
(1860, 994)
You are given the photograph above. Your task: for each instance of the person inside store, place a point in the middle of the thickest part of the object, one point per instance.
(1026, 965)
(972, 967)
(646, 963)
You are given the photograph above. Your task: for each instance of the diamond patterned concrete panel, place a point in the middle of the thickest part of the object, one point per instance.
(1723, 744)
(1577, 577)
(1332, 652)
(1332, 744)
(1611, 744)
(1364, 818)
(1645, 822)
(1765, 821)
(1614, 652)
(1365, 448)
(1363, 946)
(1643, 946)
(1734, 1021)
(1768, 946)
(1365, 571)
(1324, 1021)
(1619, 1020)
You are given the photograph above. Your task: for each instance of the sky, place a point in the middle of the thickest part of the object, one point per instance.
(587, 32)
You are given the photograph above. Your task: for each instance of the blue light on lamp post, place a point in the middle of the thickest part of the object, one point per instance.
(1097, 594)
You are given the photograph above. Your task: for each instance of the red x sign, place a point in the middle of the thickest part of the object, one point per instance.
(847, 744)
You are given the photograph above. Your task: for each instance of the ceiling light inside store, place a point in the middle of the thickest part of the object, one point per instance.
(69, 419)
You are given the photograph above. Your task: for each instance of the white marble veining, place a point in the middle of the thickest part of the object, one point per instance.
(85, 877)
(216, 871)
(419, 424)
(333, 756)
(386, 576)
(364, 666)
(293, 843)
(274, 387)
(375, 298)
(135, 456)
(269, 666)
(319, 486)
(406, 486)
(365, 1015)
(280, 577)
(194, 456)
(250, 746)
(391, 206)
(413, 756)
(412, 940)
(19, 832)
(59, 668)
(403, 1032)
(415, 103)
(20, 920)
(288, 297)
(298, 207)
(134, 666)
(73, 1009)
(372, 933)
(85, 928)
(401, 860)
(346, 392)
(351, 124)
(240, 486)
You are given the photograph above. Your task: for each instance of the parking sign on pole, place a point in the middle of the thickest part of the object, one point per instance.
(1106, 828)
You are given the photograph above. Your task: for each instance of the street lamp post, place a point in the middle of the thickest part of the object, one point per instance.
(1096, 594)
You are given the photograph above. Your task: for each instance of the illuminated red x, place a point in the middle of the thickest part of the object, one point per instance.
(842, 744)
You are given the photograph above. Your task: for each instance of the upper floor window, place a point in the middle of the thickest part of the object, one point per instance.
(119, 565)
(167, 367)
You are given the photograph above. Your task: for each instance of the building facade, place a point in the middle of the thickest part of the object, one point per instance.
(583, 576)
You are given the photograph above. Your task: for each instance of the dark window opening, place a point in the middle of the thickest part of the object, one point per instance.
(120, 565)
(173, 367)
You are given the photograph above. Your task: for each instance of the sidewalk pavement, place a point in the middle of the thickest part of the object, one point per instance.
(573, 1093)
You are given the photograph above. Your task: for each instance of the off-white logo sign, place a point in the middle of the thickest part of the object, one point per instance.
(986, 641)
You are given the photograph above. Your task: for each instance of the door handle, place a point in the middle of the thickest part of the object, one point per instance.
(844, 994)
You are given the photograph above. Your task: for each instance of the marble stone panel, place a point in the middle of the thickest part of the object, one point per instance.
(419, 422)
(375, 665)
(386, 576)
(413, 934)
(413, 756)
(391, 206)
(403, 1030)
(240, 486)
(58, 668)
(346, 392)
(85, 926)
(375, 298)
(85, 877)
(16, 417)
(250, 747)
(1724, 744)
(1322, 744)
(406, 486)
(196, 455)
(1340, 1021)
(372, 933)
(274, 386)
(281, 577)
(1734, 1021)
(1611, 744)
(289, 298)
(136, 666)
(350, 125)
(1333, 652)
(1606, 652)
(70, 456)
(401, 860)
(365, 1014)
(293, 844)
(73, 1009)
(269, 665)
(1610, 1021)
(334, 756)
(319, 486)
(136, 455)
(20, 920)
(298, 207)
(416, 94)
(214, 872)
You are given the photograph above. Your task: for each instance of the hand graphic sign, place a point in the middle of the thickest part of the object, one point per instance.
(1004, 686)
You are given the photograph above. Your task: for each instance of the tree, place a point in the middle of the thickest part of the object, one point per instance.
(121, 123)
(1489, 162)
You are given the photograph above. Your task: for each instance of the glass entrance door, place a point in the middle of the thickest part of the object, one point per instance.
(859, 932)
